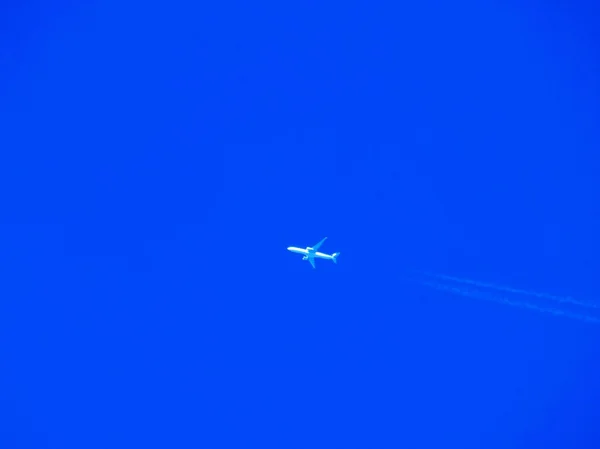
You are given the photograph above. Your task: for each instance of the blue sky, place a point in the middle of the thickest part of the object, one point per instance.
(158, 158)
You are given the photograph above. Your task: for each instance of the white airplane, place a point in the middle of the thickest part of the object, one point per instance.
(310, 253)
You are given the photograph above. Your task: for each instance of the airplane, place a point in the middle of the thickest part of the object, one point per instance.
(310, 253)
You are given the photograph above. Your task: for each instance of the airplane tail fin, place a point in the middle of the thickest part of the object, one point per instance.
(335, 255)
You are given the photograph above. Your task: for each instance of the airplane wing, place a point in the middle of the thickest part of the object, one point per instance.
(312, 261)
(318, 245)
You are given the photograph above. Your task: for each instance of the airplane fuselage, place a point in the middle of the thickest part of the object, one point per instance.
(309, 252)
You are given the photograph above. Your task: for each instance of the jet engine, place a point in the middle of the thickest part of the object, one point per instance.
(305, 258)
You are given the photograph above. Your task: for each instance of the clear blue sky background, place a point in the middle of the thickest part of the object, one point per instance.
(158, 158)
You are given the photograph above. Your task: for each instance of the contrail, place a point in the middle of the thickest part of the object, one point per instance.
(516, 291)
(499, 298)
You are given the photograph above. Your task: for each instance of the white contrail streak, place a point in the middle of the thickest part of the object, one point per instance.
(499, 298)
(516, 291)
